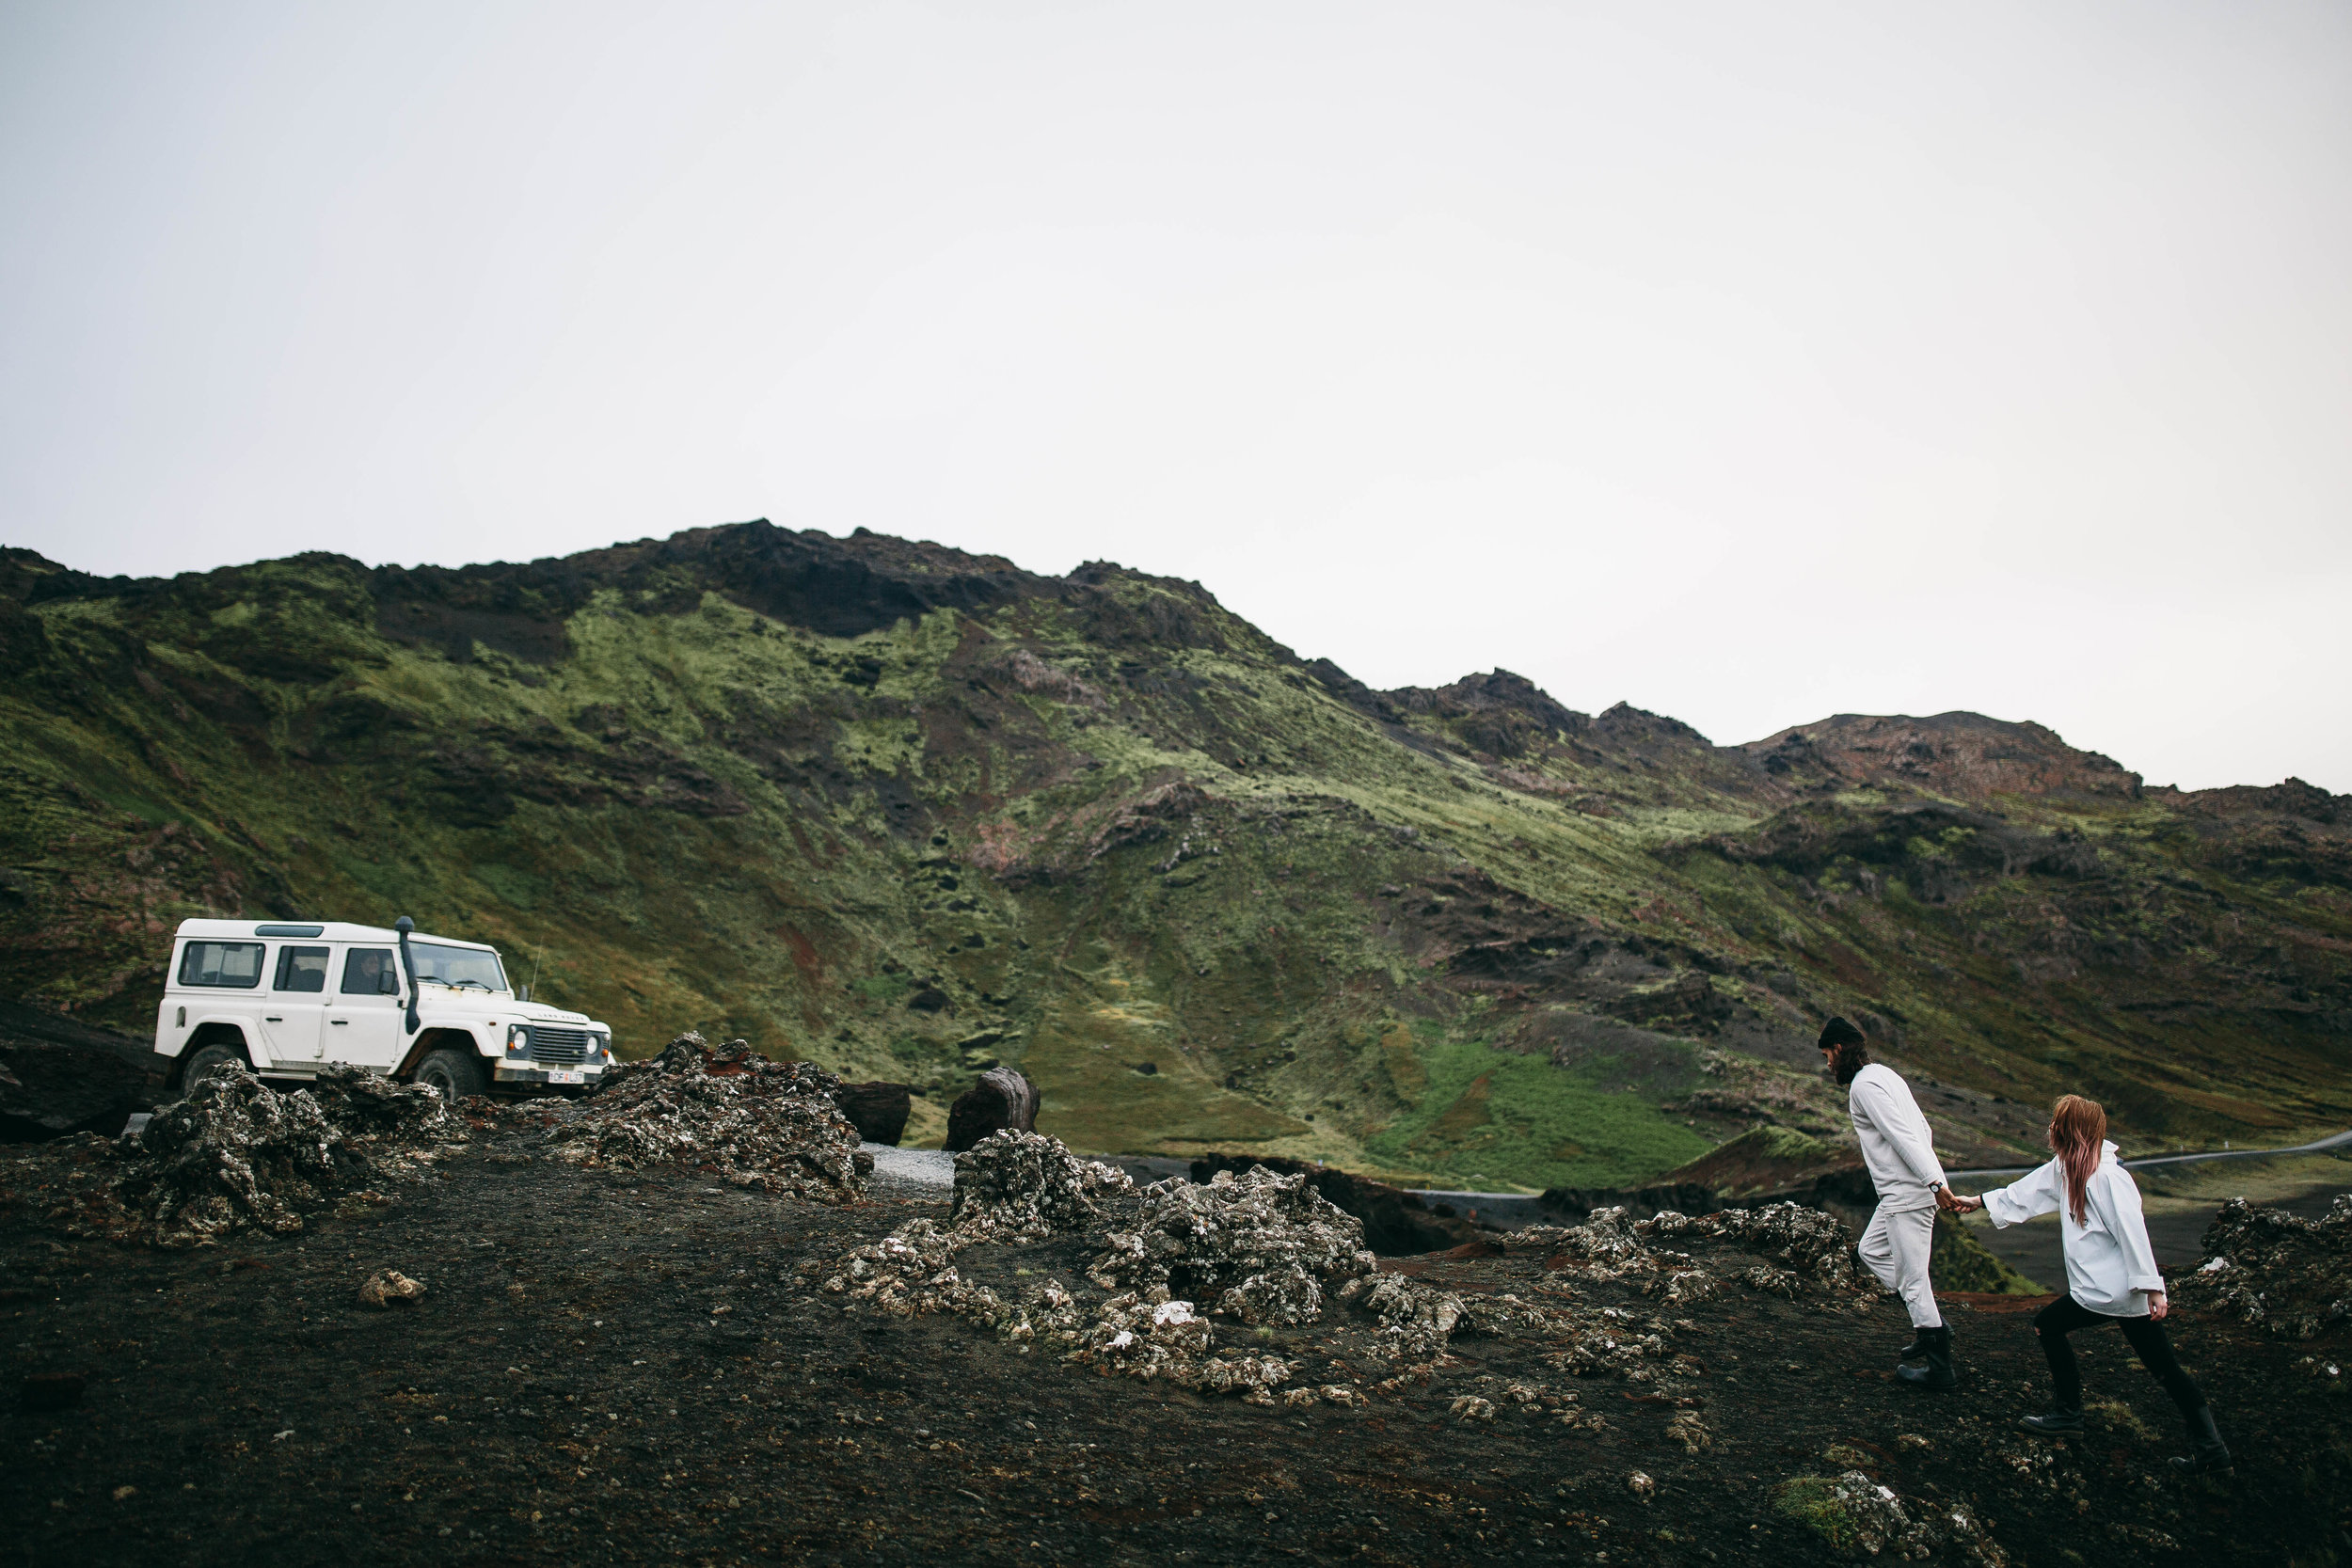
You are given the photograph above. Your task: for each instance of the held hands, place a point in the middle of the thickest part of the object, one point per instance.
(1953, 1203)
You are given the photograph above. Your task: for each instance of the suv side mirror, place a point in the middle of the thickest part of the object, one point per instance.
(388, 984)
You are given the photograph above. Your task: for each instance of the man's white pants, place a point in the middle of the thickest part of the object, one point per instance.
(1895, 1247)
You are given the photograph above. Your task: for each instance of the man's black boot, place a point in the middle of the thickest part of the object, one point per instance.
(2207, 1451)
(1935, 1344)
(1917, 1347)
(2060, 1422)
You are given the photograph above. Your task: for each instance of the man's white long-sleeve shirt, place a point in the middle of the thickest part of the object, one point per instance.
(1897, 1145)
(2109, 1264)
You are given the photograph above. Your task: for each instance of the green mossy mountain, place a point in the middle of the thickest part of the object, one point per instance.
(908, 812)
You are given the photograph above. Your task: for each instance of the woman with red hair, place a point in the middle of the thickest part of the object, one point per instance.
(2110, 1272)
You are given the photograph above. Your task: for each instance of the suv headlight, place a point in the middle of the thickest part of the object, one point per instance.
(517, 1040)
(599, 1045)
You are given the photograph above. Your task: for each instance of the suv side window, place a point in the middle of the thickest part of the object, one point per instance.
(221, 963)
(369, 972)
(301, 969)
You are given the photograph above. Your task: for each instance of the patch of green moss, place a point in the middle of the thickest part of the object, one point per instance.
(1957, 1261)
(1813, 1502)
(1494, 1118)
(1787, 1143)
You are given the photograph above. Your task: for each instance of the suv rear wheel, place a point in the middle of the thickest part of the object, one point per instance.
(453, 1074)
(205, 1061)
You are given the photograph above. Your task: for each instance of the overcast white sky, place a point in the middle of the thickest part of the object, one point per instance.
(1749, 363)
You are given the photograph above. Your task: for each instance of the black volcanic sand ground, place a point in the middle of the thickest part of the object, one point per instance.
(571, 1391)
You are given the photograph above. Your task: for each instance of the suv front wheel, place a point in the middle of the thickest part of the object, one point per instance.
(205, 1061)
(453, 1074)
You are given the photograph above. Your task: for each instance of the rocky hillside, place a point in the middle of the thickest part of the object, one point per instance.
(906, 811)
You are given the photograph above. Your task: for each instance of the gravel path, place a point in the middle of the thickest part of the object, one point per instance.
(919, 1168)
(2317, 1146)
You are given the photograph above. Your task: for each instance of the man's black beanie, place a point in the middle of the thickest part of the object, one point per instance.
(1837, 1032)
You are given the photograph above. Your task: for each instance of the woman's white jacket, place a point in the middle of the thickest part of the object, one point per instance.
(2109, 1264)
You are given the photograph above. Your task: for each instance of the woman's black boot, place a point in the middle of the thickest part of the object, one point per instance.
(2060, 1422)
(1936, 1345)
(2207, 1451)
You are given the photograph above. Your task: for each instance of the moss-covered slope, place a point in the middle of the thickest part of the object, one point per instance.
(908, 812)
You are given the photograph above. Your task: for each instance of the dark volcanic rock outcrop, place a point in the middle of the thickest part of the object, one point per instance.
(235, 1154)
(57, 1076)
(1260, 1247)
(877, 1110)
(1020, 1183)
(1002, 1101)
(729, 1110)
(1397, 1223)
(2288, 1276)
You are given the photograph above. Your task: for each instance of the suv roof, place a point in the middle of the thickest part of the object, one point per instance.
(316, 931)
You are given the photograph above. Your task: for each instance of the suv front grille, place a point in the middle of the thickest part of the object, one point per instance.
(557, 1045)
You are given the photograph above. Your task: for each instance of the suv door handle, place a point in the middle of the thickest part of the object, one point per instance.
(266, 1018)
(340, 1022)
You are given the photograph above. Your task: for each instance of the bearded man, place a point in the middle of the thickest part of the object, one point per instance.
(1900, 1151)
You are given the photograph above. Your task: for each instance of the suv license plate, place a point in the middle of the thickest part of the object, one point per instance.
(558, 1077)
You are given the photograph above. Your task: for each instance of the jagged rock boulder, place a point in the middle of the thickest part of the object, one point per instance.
(1260, 1260)
(235, 1154)
(1258, 1246)
(877, 1110)
(1020, 1187)
(2289, 1275)
(1861, 1519)
(1022, 1184)
(1001, 1102)
(1397, 1223)
(1421, 1316)
(1816, 1248)
(1814, 1245)
(732, 1111)
(908, 1273)
(390, 1288)
(368, 1110)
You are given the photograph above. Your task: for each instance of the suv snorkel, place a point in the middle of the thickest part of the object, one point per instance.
(403, 926)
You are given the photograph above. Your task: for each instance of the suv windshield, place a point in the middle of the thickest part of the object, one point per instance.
(468, 967)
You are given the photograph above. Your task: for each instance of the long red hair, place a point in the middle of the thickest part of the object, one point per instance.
(2077, 1128)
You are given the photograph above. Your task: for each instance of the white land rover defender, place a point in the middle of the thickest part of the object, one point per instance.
(289, 998)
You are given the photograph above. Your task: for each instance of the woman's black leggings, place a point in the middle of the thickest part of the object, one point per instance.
(2063, 1316)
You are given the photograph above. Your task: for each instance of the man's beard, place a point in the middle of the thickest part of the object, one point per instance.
(1849, 1060)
